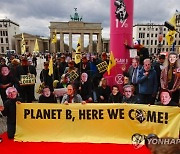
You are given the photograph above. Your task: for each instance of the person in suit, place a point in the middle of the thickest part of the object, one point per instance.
(133, 73)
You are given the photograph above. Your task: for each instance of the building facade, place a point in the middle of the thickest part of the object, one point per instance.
(153, 37)
(76, 27)
(43, 43)
(8, 29)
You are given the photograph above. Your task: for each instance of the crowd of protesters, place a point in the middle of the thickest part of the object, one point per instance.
(144, 81)
(156, 82)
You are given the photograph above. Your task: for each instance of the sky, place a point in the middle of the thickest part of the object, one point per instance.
(34, 16)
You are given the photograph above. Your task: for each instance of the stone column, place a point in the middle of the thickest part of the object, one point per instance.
(90, 43)
(70, 42)
(82, 42)
(99, 43)
(62, 42)
(52, 45)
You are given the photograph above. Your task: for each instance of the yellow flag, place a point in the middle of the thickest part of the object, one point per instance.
(23, 47)
(36, 46)
(54, 37)
(50, 67)
(112, 62)
(78, 52)
(171, 33)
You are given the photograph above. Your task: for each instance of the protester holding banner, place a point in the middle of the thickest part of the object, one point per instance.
(47, 96)
(84, 87)
(103, 91)
(25, 70)
(129, 96)
(72, 96)
(165, 98)
(9, 110)
(169, 76)
(115, 96)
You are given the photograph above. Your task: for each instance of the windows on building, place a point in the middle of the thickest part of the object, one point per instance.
(155, 43)
(147, 42)
(143, 41)
(151, 42)
(2, 49)
(7, 40)
(141, 35)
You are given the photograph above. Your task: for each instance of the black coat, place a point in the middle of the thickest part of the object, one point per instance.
(10, 110)
(50, 99)
(105, 92)
(48, 80)
(115, 98)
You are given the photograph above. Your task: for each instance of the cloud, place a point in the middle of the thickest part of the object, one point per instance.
(34, 16)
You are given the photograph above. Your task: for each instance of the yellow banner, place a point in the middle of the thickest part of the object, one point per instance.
(94, 123)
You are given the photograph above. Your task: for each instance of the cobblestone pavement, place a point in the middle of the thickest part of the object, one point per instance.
(40, 62)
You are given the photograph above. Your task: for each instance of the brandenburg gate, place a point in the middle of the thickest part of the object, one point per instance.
(76, 26)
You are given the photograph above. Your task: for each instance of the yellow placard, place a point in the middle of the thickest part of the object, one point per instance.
(28, 79)
(102, 67)
(72, 75)
(94, 123)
